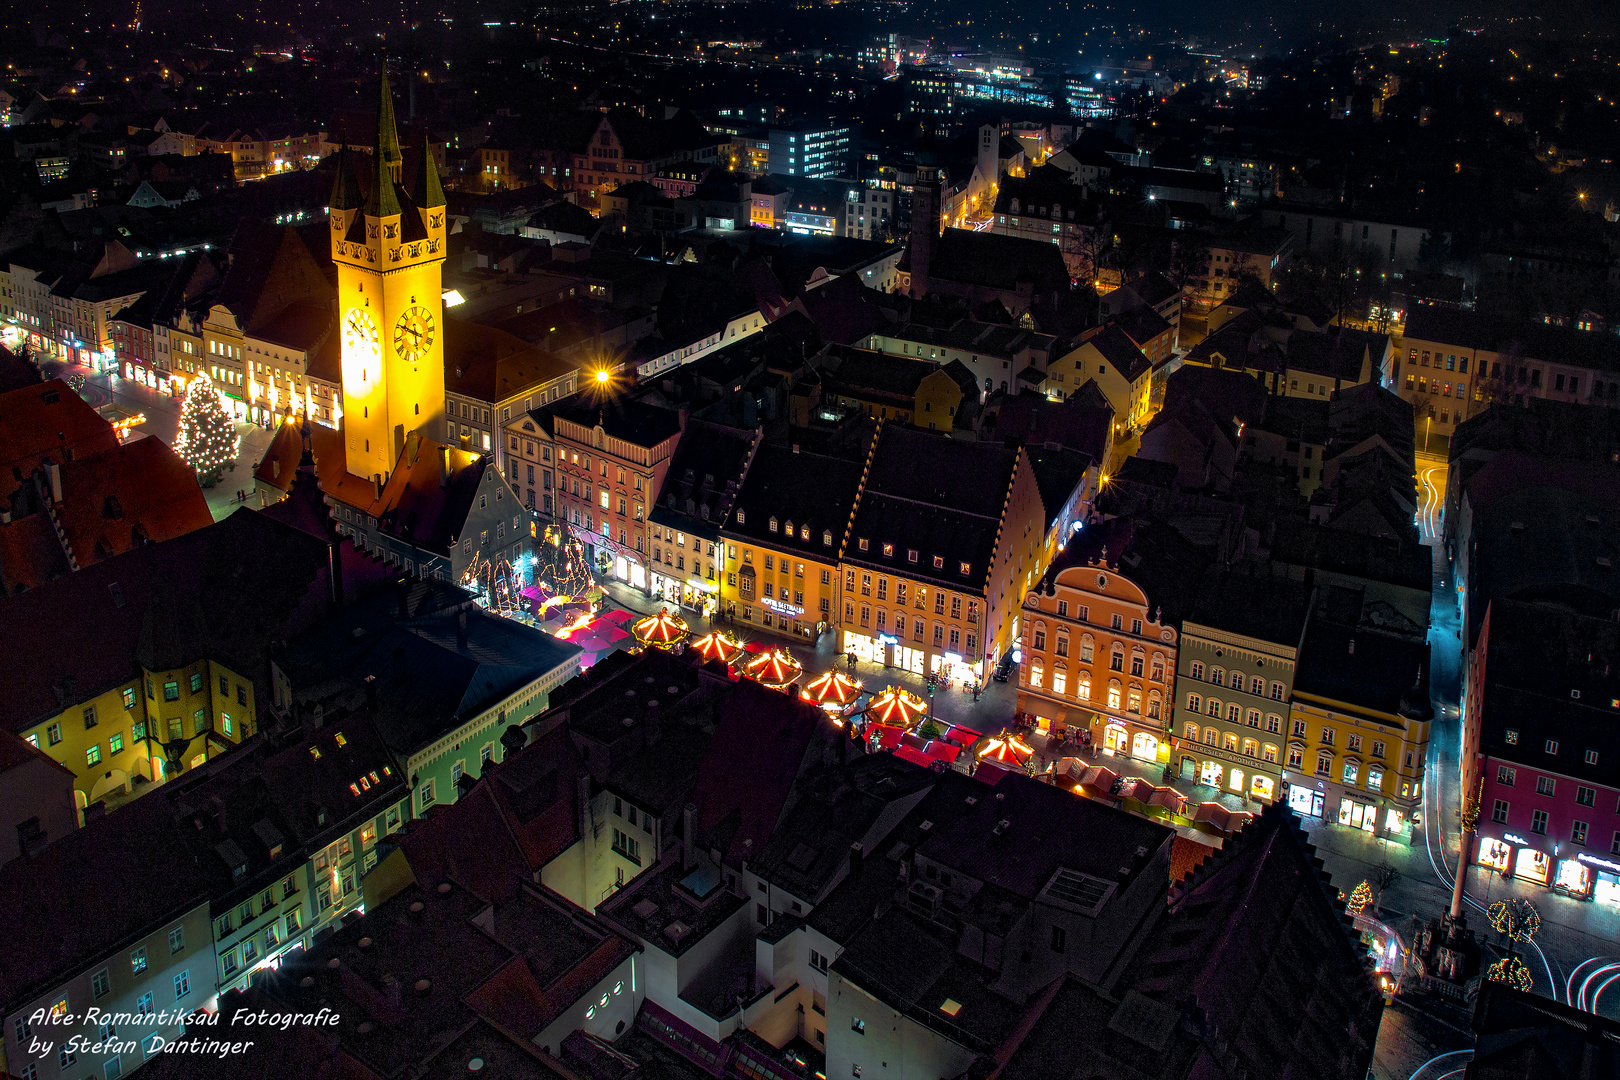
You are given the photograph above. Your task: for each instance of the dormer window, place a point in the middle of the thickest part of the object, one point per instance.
(911, 554)
(826, 538)
(864, 545)
(742, 518)
(888, 551)
(772, 524)
(939, 562)
(787, 529)
(967, 567)
(804, 533)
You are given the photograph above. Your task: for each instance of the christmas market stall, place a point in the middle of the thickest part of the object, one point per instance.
(660, 631)
(897, 706)
(833, 691)
(716, 645)
(776, 669)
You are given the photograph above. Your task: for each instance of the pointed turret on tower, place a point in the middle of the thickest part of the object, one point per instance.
(384, 198)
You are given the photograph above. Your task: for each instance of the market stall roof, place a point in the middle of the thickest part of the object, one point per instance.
(896, 705)
(775, 668)
(884, 736)
(1006, 747)
(832, 687)
(716, 645)
(962, 736)
(661, 630)
(940, 750)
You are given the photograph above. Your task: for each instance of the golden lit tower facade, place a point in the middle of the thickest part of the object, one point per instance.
(389, 246)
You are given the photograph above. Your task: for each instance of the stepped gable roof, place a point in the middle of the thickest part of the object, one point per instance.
(30, 553)
(940, 497)
(812, 492)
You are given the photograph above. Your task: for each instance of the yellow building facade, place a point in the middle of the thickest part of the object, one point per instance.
(111, 738)
(389, 249)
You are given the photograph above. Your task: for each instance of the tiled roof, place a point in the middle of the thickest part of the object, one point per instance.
(139, 493)
(141, 842)
(813, 493)
(489, 364)
(935, 495)
(45, 423)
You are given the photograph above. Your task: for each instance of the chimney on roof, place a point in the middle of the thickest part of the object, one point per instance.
(376, 485)
(444, 467)
(54, 472)
(1352, 646)
(461, 629)
(334, 569)
(371, 691)
(856, 852)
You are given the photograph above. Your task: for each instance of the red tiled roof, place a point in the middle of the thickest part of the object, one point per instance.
(138, 492)
(44, 423)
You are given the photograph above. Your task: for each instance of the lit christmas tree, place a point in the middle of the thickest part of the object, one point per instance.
(207, 439)
(1359, 899)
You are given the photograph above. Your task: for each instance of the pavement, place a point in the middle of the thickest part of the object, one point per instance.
(117, 398)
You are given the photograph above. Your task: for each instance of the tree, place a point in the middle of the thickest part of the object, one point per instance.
(1383, 877)
(1359, 899)
(207, 439)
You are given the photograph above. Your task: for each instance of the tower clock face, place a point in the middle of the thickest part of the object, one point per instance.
(360, 333)
(413, 334)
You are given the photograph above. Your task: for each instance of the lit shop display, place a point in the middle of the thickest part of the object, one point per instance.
(1358, 815)
(1606, 878)
(1575, 878)
(1305, 801)
(1493, 854)
(1532, 865)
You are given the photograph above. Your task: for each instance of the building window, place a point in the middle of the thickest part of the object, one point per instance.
(1538, 821)
(1551, 746)
(1545, 785)
(182, 984)
(1505, 776)
(177, 939)
(1577, 832)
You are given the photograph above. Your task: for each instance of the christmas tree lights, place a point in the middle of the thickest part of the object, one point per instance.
(207, 439)
(1359, 899)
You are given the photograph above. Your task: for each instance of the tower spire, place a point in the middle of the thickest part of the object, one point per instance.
(384, 200)
(427, 191)
(345, 188)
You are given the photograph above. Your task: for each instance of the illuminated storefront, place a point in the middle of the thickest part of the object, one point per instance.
(1305, 801)
(1493, 854)
(1262, 787)
(1532, 865)
(1605, 878)
(1575, 878)
(1358, 815)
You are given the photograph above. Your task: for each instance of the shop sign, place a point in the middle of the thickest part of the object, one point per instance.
(781, 608)
(1602, 864)
(888, 639)
(1514, 838)
(699, 585)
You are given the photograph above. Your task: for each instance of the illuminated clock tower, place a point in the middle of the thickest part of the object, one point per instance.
(389, 247)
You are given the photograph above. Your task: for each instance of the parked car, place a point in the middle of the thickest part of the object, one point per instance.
(1003, 670)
